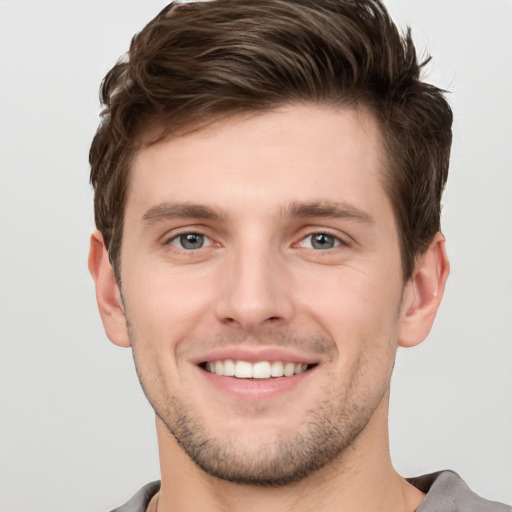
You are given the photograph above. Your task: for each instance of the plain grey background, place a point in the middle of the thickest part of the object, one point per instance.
(75, 430)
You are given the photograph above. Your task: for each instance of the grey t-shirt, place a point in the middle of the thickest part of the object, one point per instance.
(446, 492)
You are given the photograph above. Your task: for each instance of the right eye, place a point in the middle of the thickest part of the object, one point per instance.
(320, 241)
(190, 241)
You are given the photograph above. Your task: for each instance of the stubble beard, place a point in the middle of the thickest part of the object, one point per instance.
(320, 441)
(326, 432)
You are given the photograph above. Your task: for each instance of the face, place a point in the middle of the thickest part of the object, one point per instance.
(262, 288)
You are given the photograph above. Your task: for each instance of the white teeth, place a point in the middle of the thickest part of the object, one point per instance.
(289, 369)
(229, 368)
(243, 370)
(300, 368)
(276, 369)
(259, 370)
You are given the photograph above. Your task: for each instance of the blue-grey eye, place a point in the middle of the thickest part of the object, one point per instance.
(320, 241)
(190, 241)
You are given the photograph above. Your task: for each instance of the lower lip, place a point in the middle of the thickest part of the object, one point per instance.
(254, 389)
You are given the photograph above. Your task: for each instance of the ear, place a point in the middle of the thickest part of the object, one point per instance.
(108, 295)
(423, 293)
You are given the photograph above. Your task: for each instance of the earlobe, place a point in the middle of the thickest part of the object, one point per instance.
(423, 293)
(108, 295)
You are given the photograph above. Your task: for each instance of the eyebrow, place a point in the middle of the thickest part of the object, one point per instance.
(168, 211)
(327, 209)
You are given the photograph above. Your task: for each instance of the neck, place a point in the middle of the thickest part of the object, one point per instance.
(360, 479)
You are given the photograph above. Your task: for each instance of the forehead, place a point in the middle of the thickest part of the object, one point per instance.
(293, 154)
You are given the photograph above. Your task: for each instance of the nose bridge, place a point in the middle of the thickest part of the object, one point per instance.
(254, 290)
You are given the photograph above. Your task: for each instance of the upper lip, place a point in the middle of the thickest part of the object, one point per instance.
(255, 354)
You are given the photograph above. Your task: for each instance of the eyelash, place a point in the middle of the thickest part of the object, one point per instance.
(181, 236)
(178, 240)
(337, 241)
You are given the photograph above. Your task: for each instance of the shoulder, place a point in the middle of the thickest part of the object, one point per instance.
(140, 501)
(447, 492)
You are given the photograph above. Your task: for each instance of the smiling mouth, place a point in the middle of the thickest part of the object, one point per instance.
(259, 370)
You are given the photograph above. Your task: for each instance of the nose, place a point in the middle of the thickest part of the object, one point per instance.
(256, 291)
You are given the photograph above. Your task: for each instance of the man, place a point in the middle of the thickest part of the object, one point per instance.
(268, 178)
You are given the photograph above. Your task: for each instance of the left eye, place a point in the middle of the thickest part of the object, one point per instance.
(320, 241)
(190, 241)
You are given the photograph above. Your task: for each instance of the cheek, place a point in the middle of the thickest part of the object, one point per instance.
(356, 310)
(164, 305)
(362, 322)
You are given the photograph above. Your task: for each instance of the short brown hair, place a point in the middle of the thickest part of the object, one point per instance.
(196, 62)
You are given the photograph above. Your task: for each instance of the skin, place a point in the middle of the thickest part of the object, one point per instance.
(262, 186)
